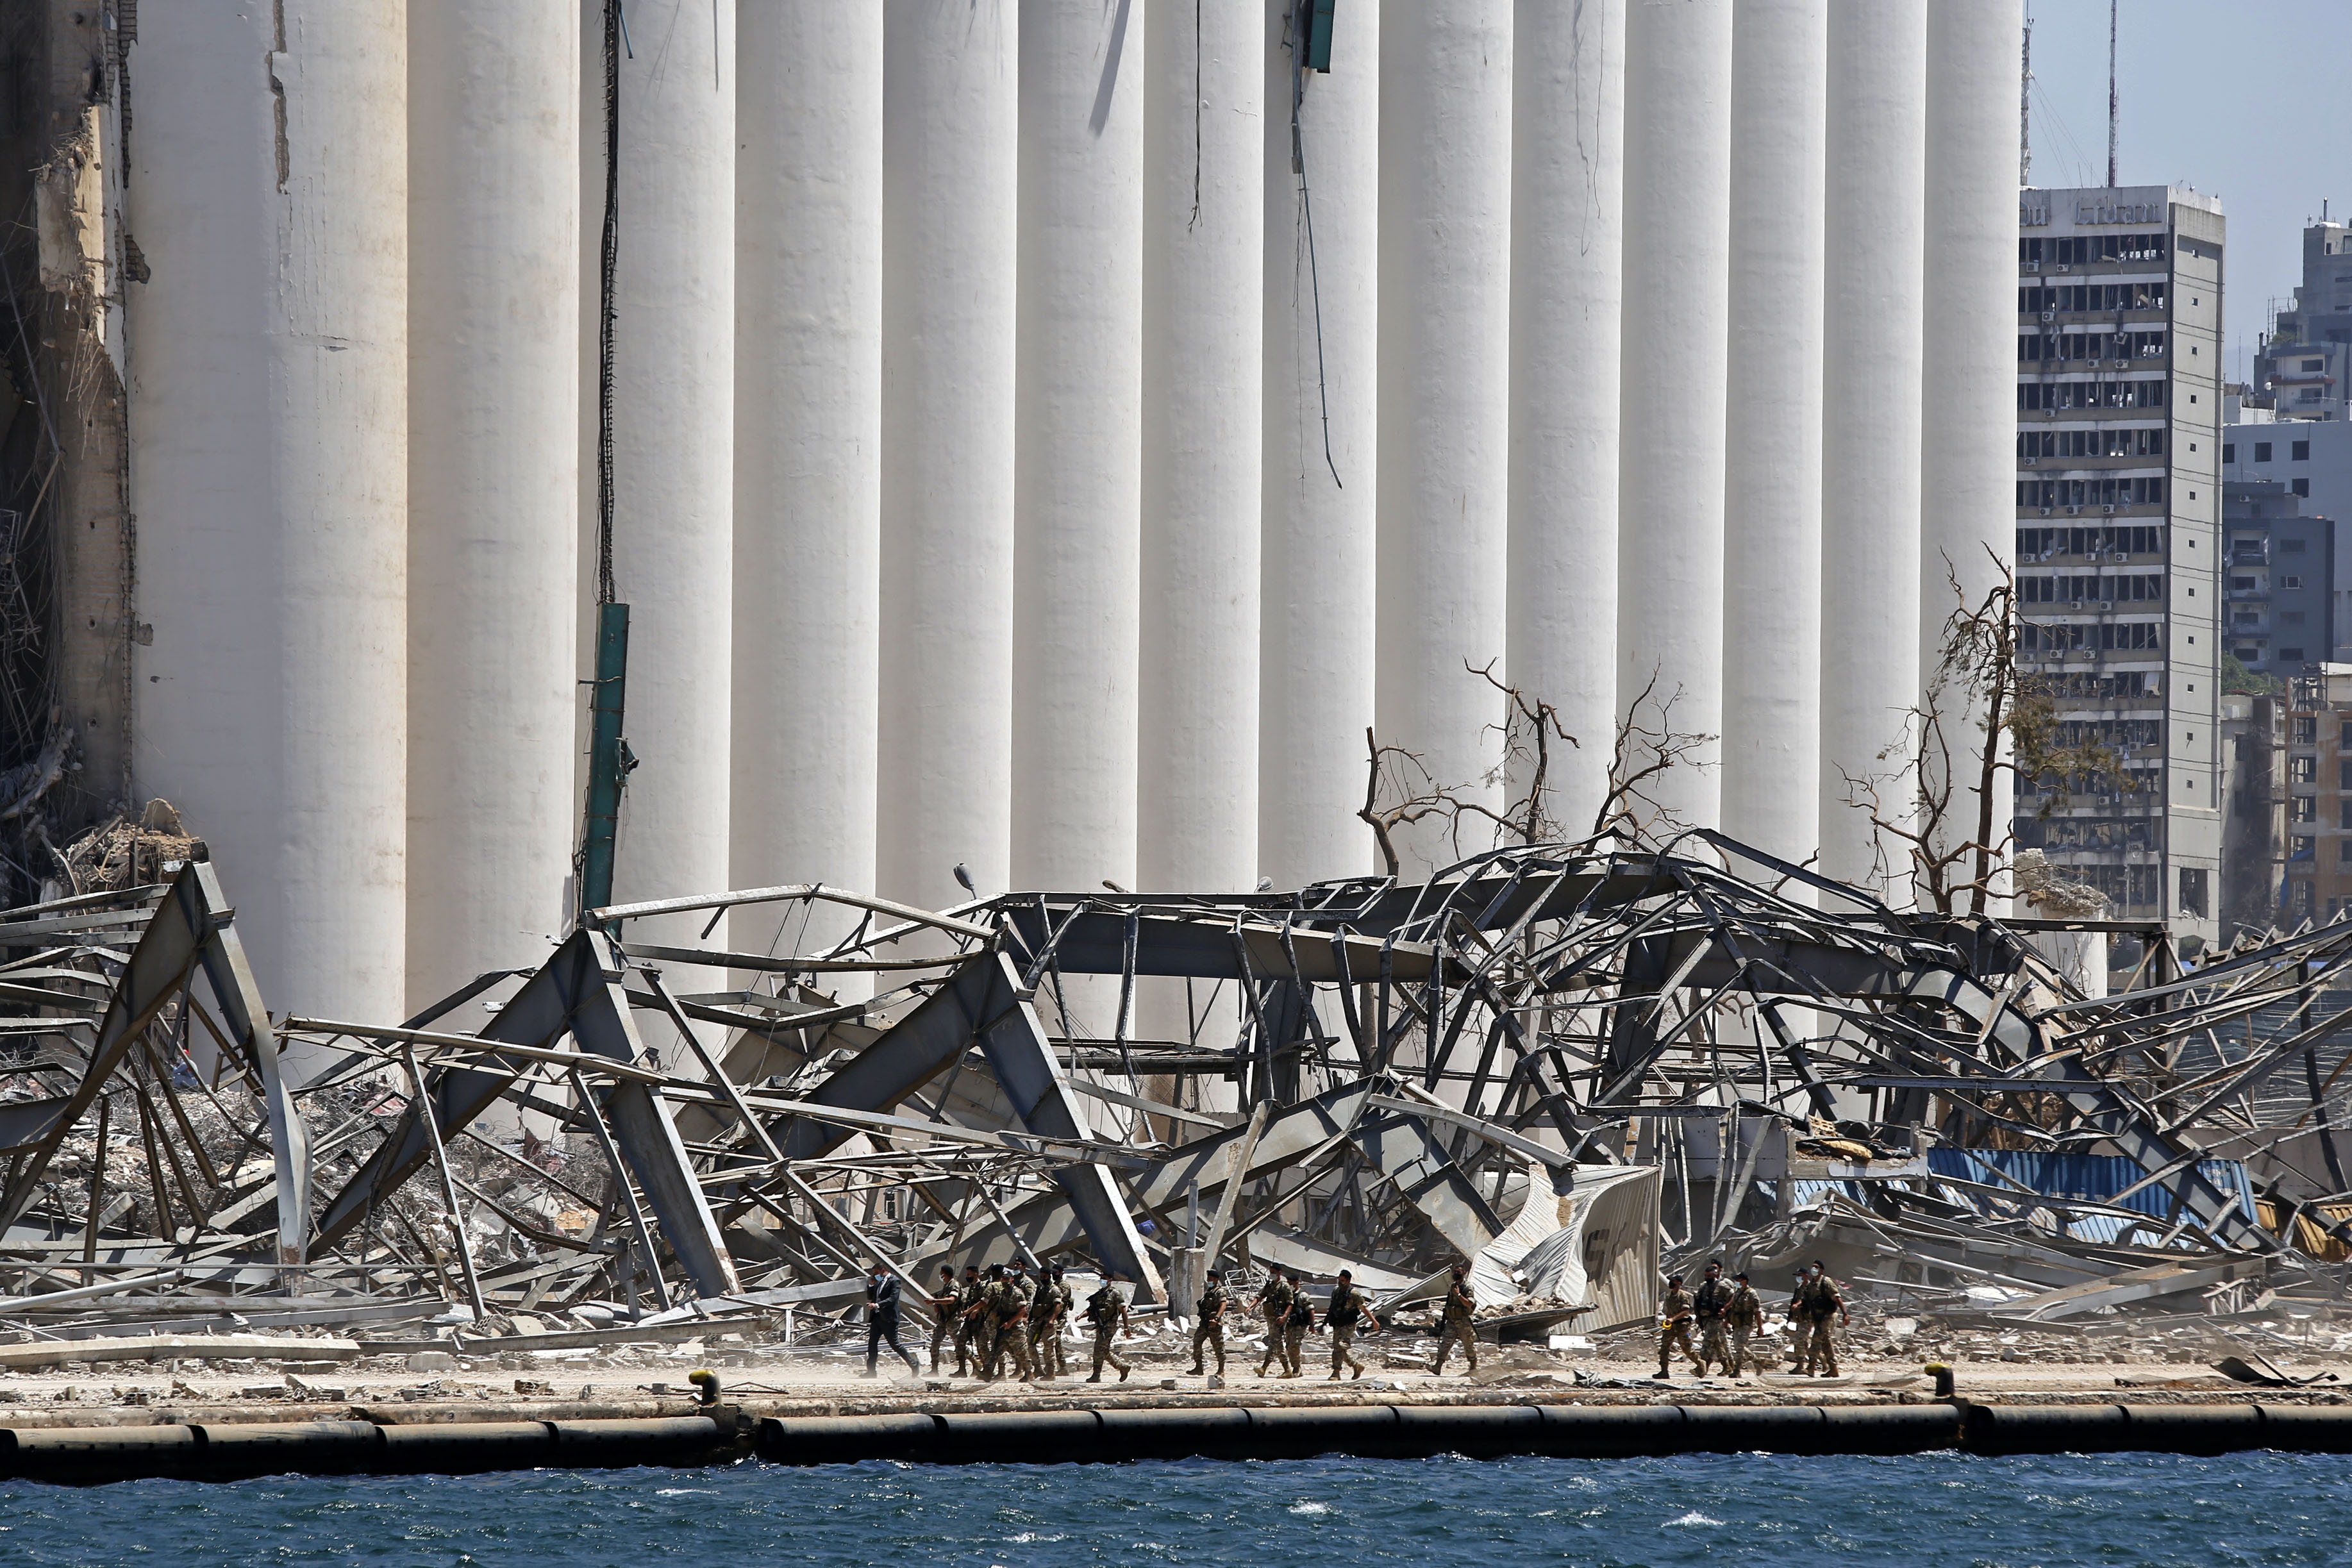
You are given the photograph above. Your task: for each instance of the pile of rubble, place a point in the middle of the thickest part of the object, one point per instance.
(1573, 1065)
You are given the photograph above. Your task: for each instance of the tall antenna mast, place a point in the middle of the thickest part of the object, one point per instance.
(2025, 110)
(2111, 94)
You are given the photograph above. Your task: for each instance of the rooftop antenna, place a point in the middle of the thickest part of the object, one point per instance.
(2111, 94)
(2025, 110)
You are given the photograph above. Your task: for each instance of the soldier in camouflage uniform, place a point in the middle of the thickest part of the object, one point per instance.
(1746, 1319)
(1106, 1311)
(1674, 1327)
(1457, 1326)
(1209, 1324)
(1048, 1311)
(1008, 1306)
(977, 1329)
(1349, 1309)
(1816, 1301)
(1710, 1305)
(946, 1319)
(1275, 1300)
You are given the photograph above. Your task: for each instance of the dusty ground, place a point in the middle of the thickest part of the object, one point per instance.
(2161, 1364)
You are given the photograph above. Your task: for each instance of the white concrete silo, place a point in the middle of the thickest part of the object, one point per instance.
(673, 442)
(1670, 584)
(808, 449)
(1870, 466)
(1203, 401)
(1444, 404)
(1568, 165)
(1320, 490)
(269, 473)
(1077, 444)
(950, 162)
(1772, 481)
(1967, 466)
(494, 151)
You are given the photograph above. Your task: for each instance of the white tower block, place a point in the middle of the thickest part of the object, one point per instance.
(494, 155)
(1967, 466)
(1203, 399)
(1322, 270)
(1568, 165)
(673, 443)
(269, 471)
(1870, 468)
(1670, 584)
(1078, 444)
(1772, 489)
(808, 449)
(1445, 384)
(951, 161)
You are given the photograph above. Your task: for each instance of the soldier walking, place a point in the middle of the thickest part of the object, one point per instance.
(1711, 1305)
(1009, 1306)
(1209, 1324)
(1274, 1302)
(1674, 1328)
(947, 1320)
(1296, 1327)
(1457, 1327)
(1348, 1307)
(1746, 1319)
(1048, 1311)
(1106, 1311)
(1816, 1301)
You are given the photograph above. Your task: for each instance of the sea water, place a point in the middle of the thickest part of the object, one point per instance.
(1715, 1510)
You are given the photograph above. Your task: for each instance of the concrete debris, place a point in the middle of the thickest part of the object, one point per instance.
(1570, 1067)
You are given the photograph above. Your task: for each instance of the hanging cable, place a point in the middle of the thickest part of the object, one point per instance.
(1306, 210)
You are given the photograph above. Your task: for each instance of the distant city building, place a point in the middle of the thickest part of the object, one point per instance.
(2318, 792)
(2310, 459)
(2277, 606)
(2304, 364)
(2118, 419)
(2254, 813)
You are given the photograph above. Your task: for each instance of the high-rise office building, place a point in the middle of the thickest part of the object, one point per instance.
(2118, 417)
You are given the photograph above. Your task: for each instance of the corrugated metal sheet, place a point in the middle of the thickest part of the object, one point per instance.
(2096, 1178)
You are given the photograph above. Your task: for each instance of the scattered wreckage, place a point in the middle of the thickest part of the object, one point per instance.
(1572, 1064)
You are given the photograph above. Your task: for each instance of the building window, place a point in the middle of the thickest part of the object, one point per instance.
(2306, 730)
(2303, 808)
(2292, 583)
(2299, 451)
(2303, 770)
(2261, 451)
(2192, 892)
(2229, 451)
(2291, 655)
(2300, 487)
(2301, 896)
(2247, 655)
(2347, 809)
(2292, 546)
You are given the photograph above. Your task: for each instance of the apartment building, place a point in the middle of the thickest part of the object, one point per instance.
(2318, 792)
(2118, 538)
(2277, 604)
(2305, 359)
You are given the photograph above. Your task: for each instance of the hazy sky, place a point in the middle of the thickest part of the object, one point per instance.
(2247, 100)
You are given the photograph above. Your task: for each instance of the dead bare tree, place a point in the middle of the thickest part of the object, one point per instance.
(1976, 681)
(1643, 751)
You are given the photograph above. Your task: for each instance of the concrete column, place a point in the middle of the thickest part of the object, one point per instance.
(1870, 463)
(1203, 404)
(950, 165)
(1670, 582)
(494, 151)
(673, 442)
(808, 449)
(270, 475)
(1967, 463)
(1078, 443)
(1322, 270)
(1773, 478)
(1444, 411)
(1567, 167)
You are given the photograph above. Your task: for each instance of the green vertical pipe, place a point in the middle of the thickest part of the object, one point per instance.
(608, 758)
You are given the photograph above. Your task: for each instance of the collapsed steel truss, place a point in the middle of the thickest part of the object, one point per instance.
(1367, 1074)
